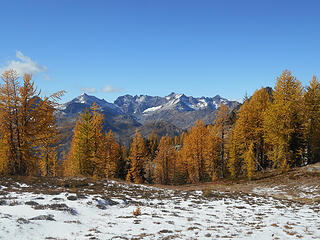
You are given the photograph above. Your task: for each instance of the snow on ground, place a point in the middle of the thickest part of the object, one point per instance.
(293, 192)
(165, 214)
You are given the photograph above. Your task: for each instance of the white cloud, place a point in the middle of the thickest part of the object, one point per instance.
(24, 65)
(108, 89)
(88, 90)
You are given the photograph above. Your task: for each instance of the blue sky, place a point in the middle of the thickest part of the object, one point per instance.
(200, 48)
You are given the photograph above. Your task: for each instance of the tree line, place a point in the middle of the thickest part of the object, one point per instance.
(273, 129)
(277, 128)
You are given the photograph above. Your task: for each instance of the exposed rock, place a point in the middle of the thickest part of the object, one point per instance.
(101, 206)
(57, 207)
(48, 217)
(110, 201)
(31, 203)
(57, 199)
(23, 221)
(72, 198)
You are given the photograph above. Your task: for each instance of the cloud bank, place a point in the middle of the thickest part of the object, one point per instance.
(109, 89)
(89, 90)
(24, 65)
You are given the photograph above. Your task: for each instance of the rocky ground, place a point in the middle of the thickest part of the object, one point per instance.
(279, 207)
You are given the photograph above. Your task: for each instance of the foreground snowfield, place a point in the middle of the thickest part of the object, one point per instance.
(105, 211)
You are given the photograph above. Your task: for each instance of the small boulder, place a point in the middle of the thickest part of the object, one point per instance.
(31, 203)
(57, 199)
(23, 221)
(72, 198)
(48, 217)
(101, 206)
(111, 202)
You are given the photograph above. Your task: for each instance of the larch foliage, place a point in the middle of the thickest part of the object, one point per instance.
(85, 145)
(248, 130)
(312, 111)
(10, 134)
(193, 152)
(96, 136)
(212, 152)
(122, 163)
(249, 159)
(111, 154)
(165, 162)
(284, 123)
(151, 146)
(222, 126)
(50, 138)
(234, 162)
(181, 168)
(79, 154)
(27, 127)
(137, 158)
(86, 154)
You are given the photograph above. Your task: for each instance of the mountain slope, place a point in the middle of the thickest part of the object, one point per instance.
(123, 125)
(83, 101)
(177, 109)
(165, 115)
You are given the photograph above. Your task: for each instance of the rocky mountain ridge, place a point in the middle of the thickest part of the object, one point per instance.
(165, 115)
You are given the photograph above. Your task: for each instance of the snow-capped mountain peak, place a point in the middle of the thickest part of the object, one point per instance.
(86, 101)
(176, 108)
(147, 105)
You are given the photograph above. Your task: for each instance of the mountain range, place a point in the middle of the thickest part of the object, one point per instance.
(170, 115)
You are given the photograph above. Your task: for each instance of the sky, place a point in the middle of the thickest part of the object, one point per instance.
(199, 48)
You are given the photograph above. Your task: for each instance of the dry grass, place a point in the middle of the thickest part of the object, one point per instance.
(137, 211)
(285, 182)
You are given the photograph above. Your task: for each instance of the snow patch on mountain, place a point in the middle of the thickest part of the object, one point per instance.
(152, 109)
(183, 103)
(88, 100)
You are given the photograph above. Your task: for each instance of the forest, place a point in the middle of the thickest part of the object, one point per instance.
(275, 128)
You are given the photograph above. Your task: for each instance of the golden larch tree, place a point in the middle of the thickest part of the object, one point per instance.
(284, 123)
(151, 146)
(312, 110)
(137, 157)
(111, 154)
(222, 127)
(212, 152)
(165, 161)
(86, 153)
(249, 129)
(193, 152)
(26, 121)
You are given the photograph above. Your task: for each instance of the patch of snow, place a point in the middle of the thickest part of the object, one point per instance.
(152, 109)
(141, 99)
(216, 104)
(61, 107)
(201, 104)
(178, 96)
(164, 214)
(23, 185)
(82, 99)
